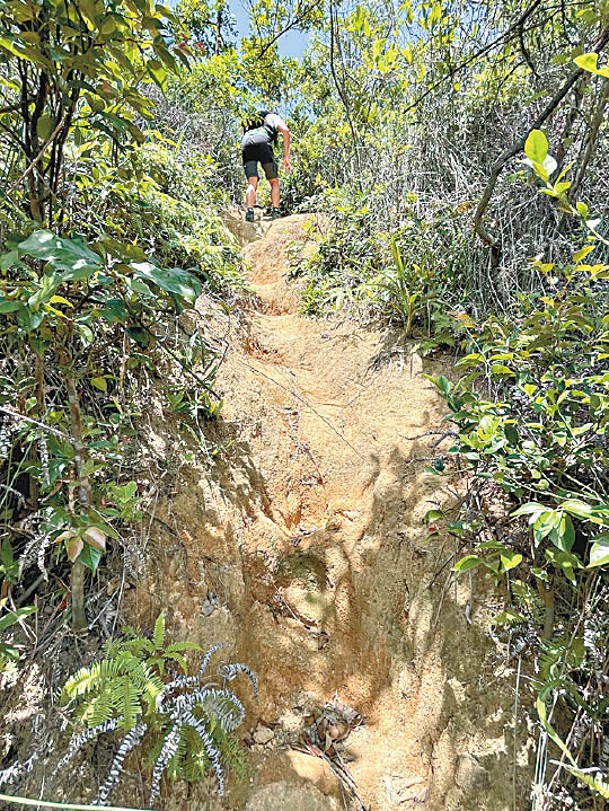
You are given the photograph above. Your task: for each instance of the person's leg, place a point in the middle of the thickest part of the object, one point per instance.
(272, 175)
(274, 192)
(251, 191)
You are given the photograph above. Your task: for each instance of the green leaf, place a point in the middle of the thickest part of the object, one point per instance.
(13, 617)
(599, 552)
(536, 146)
(583, 252)
(9, 306)
(177, 281)
(589, 62)
(566, 532)
(509, 617)
(90, 557)
(158, 636)
(99, 383)
(45, 126)
(578, 508)
(158, 73)
(466, 563)
(532, 508)
(69, 255)
(509, 559)
(432, 515)
(542, 712)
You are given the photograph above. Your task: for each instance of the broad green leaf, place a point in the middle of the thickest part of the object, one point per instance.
(45, 126)
(536, 146)
(533, 508)
(582, 253)
(599, 554)
(13, 617)
(99, 383)
(90, 557)
(509, 559)
(72, 256)
(466, 563)
(589, 62)
(175, 280)
(578, 508)
(9, 306)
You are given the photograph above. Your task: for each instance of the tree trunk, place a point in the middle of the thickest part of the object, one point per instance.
(77, 588)
(79, 619)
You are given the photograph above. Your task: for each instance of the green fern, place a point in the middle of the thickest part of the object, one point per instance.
(186, 721)
(158, 636)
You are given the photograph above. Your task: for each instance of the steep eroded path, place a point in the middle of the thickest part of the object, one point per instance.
(306, 547)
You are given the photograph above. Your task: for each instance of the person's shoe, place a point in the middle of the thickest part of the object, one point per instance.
(249, 215)
(275, 213)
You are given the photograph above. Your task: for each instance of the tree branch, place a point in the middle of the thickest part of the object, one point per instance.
(518, 146)
(292, 24)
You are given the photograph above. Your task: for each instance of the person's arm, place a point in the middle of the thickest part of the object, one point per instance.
(286, 149)
(285, 132)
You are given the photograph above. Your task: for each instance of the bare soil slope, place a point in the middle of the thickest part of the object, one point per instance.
(305, 547)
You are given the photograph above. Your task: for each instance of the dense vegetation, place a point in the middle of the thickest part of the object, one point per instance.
(460, 152)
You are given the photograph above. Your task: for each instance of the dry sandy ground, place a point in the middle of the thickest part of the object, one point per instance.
(305, 547)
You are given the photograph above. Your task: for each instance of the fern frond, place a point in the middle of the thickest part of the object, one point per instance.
(158, 635)
(81, 738)
(181, 647)
(93, 678)
(126, 702)
(231, 671)
(177, 657)
(233, 753)
(211, 750)
(223, 706)
(98, 710)
(188, 721)
(168, 751)
(208, 656)
(129, 742)
(140, 647)
(195, 765)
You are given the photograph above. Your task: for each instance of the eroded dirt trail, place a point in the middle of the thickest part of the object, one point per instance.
(306, 548)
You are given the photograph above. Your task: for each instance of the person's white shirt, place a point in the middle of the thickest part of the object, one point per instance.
(275, 121)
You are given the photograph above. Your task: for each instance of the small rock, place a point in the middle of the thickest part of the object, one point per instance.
(210, 604)
(263, 734)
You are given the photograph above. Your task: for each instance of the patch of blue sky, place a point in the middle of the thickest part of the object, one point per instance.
(292, 43)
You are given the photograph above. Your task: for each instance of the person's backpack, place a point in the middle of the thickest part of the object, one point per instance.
(256, 121)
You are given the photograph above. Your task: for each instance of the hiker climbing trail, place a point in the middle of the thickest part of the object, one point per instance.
(306, 548)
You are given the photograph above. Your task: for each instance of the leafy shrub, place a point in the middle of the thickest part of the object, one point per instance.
(410, 274)
(185, 721)
(531, 415)
(162, 199)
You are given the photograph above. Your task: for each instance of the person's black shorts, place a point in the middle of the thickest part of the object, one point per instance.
(253, 154)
